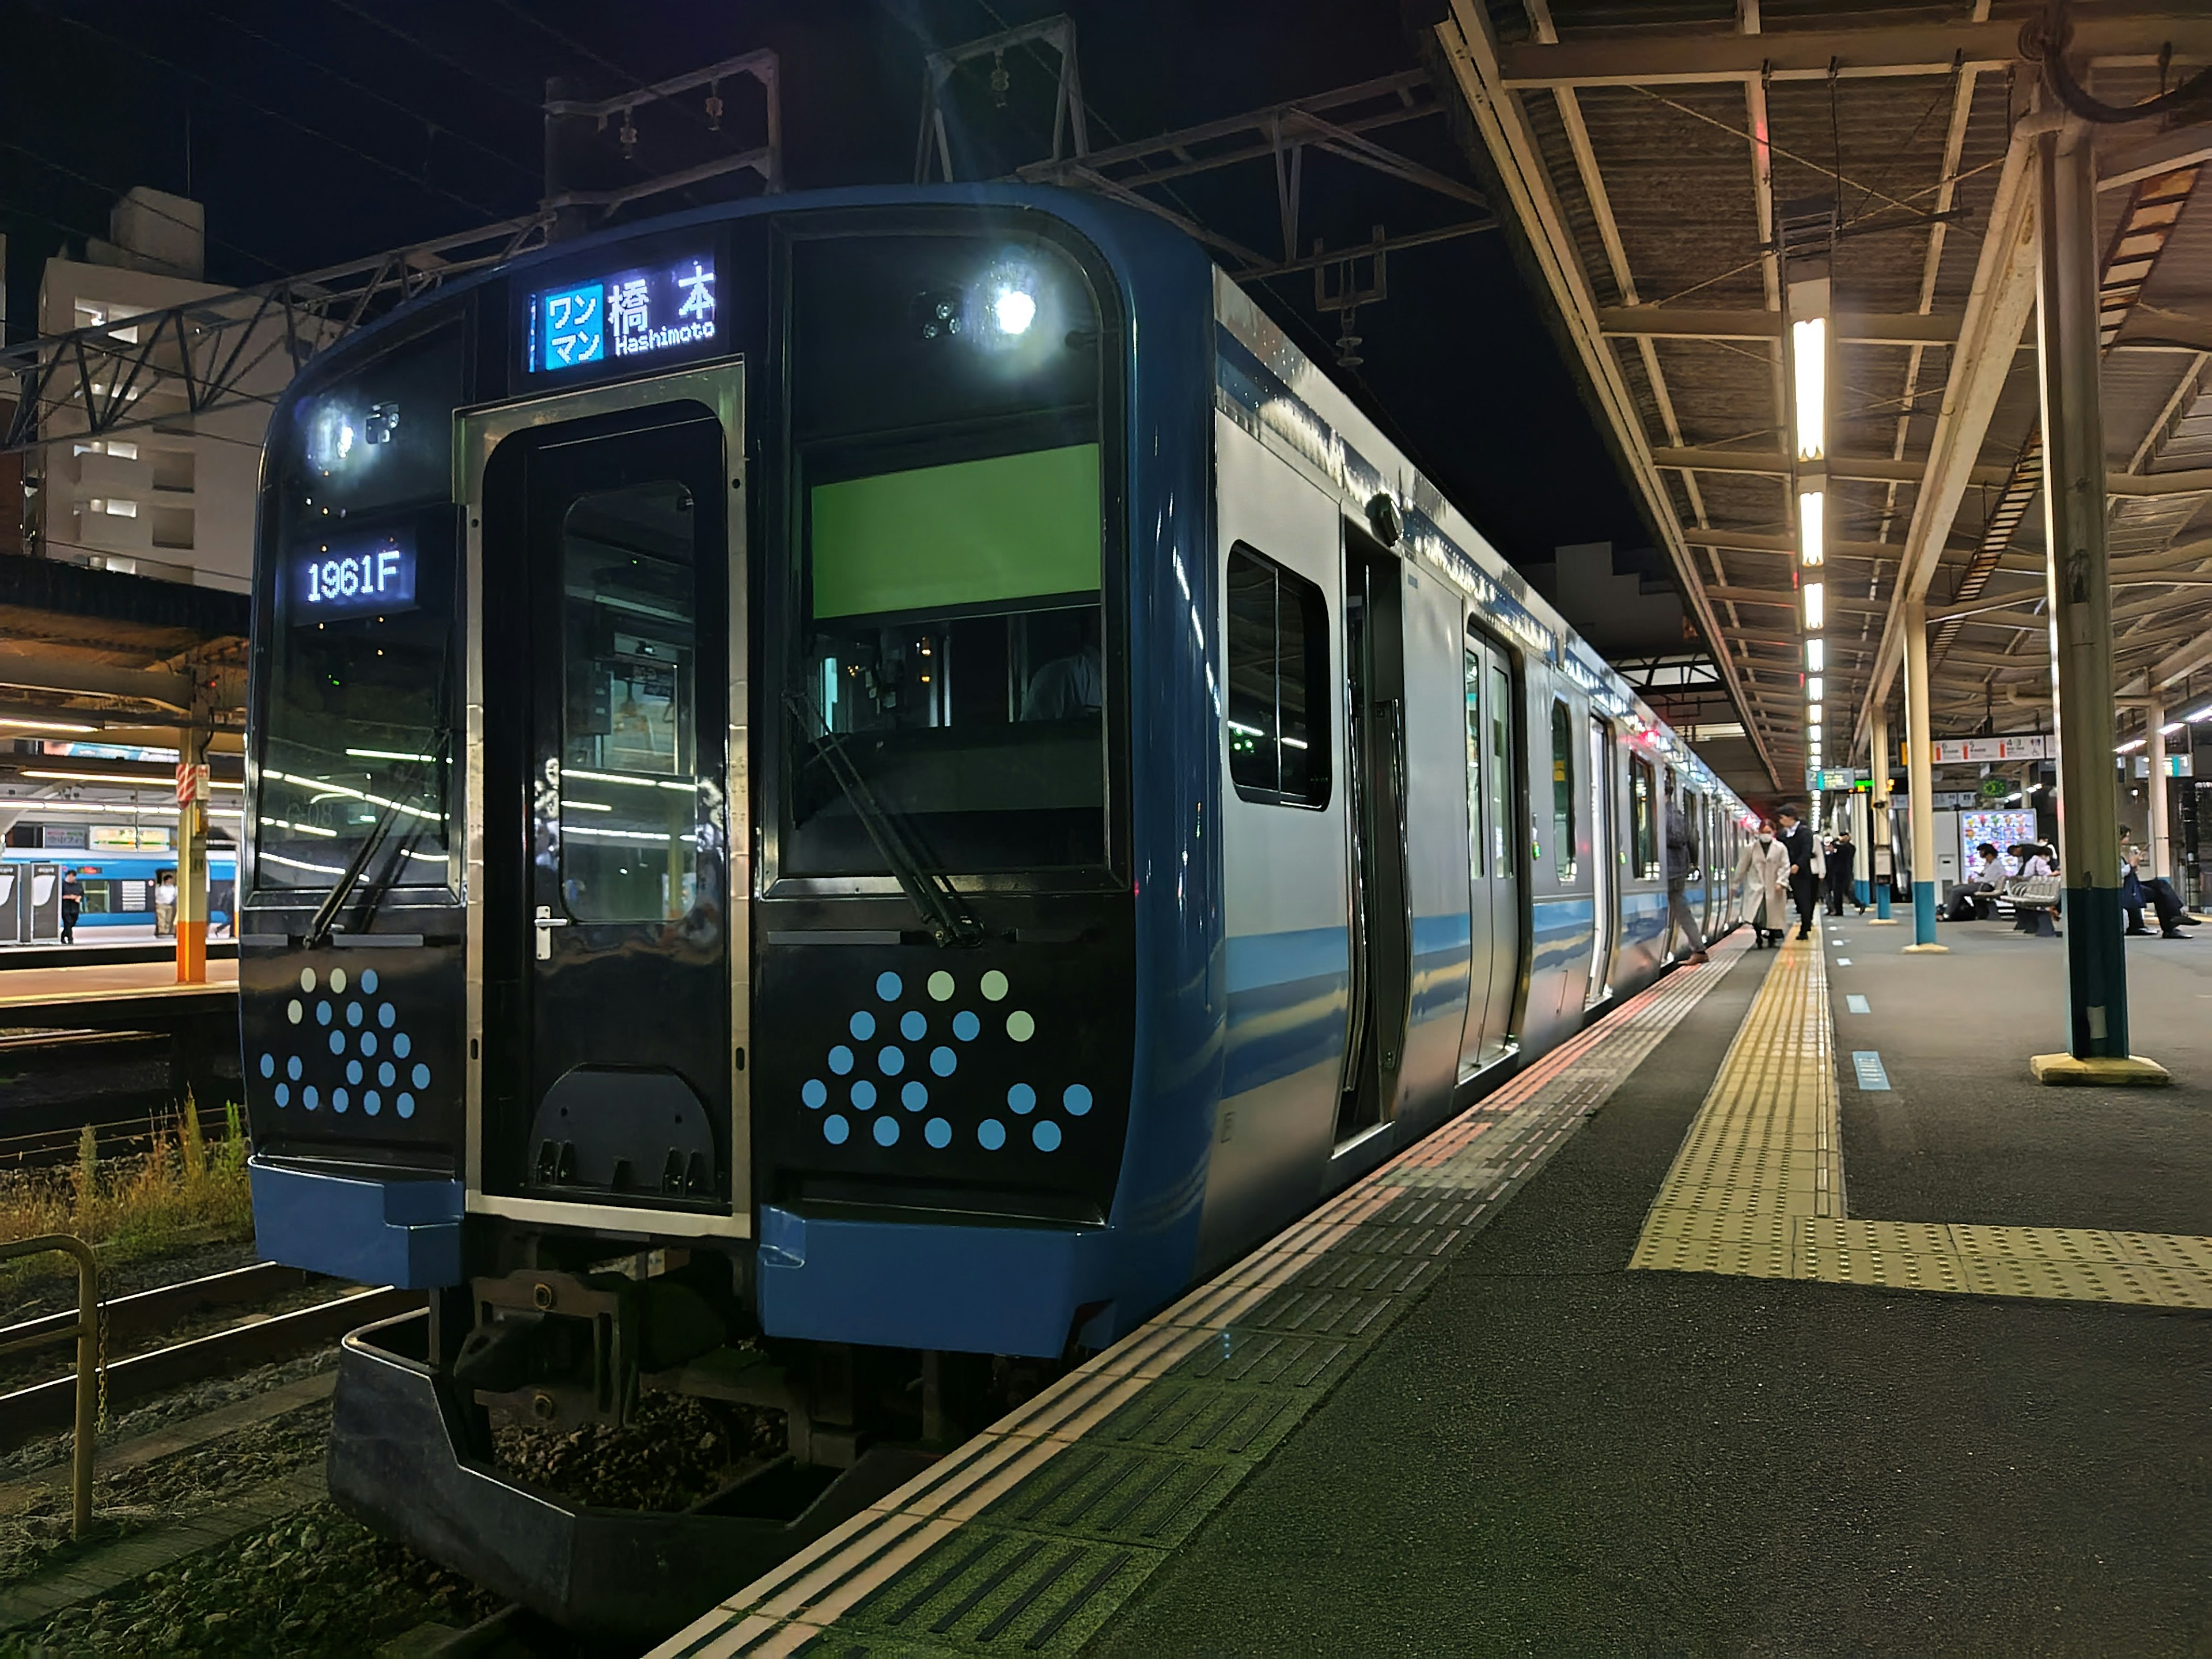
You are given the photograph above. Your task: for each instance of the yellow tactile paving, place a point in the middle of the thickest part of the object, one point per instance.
(1762, 1152)
(1757, 1189)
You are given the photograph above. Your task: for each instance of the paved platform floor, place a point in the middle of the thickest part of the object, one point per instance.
(1554, 1455)
(106, 981)
(1962, 1136)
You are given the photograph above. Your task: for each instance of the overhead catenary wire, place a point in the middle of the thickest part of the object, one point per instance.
(335, 142)
(115, 193)
(431, 124)
(430, 51)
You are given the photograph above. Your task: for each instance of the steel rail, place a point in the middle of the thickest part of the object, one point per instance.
(40, 1408)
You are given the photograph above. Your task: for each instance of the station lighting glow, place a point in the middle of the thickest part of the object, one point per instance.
(2203, 713)
(1808, 342)
(46, 725)
(1812, 716)
(2131, 745)
(1815, 604)
(1811, 505)
(1816, 654)
(1813, 690)
(2170, 728)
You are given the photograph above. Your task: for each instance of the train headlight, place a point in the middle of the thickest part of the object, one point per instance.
(1013, 309)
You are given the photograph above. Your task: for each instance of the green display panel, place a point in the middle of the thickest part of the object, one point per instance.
(969, 533)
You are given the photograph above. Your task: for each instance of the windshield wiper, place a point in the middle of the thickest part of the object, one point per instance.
(324, 921)
(933, 896)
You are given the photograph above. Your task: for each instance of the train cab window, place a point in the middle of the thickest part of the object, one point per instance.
(1643, 819)
(947, 631)
(356, 731)
(629, 845)
(1278, 652)
(1563, 827)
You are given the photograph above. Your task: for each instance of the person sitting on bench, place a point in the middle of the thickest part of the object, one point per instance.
(1977, 900)
(2157, 891)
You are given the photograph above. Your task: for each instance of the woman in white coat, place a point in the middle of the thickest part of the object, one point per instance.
(1762, 873)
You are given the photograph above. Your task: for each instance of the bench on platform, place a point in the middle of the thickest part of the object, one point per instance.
(2034, 901)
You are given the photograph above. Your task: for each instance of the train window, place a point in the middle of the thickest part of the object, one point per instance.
(1694, 816)
(1278, 654)
(948, 630)
(356, 728)
(628, 737)
(1501, 769)
(1476, 829)
(1643, 818)
(1563, 790)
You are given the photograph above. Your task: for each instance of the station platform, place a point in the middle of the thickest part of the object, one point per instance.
(112, 993)
(1782, 1312)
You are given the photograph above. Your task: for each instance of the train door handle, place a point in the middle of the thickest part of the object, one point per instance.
(546, 921)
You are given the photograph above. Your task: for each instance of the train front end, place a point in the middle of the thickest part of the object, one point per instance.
(712, 917)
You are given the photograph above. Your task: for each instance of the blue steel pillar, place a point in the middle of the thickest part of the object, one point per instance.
(2068, 354)
(1919, 770)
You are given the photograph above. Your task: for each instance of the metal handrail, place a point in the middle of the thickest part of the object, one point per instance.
(87, 1333)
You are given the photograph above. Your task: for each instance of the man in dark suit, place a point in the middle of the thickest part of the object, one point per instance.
(1804, 885)
(1842, 859)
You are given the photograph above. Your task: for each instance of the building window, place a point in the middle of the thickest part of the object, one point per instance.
(1643, 818)
(1277, 653)
(1563, 790)
(115, 507)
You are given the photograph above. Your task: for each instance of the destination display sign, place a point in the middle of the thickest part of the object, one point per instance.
(631, 316)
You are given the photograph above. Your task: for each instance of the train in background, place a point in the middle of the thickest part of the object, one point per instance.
(118, 889)
(845, 795)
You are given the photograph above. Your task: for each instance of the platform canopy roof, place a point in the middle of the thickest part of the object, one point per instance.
(1673, 167)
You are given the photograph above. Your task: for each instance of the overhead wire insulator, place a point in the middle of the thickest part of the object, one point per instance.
(627, 133)
(714, 107)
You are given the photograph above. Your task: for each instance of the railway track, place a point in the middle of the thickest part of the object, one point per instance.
(45, 1407)
(121, 1083)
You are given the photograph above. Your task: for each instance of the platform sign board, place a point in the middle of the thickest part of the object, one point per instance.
(1960, 752)
(2176, 766)
(1839, 778)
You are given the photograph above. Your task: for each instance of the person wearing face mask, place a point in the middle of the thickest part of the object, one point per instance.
(1762, 877)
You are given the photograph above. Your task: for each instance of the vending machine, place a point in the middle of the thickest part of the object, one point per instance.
(2001, 830)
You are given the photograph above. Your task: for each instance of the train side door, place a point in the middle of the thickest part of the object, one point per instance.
(1604, 862)
(1375, 802)
(611, 918)
(1492, 856)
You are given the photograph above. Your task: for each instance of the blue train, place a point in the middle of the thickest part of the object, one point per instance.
(118, 890)
(845, 795)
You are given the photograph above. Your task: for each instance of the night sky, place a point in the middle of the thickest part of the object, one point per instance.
(320, 130)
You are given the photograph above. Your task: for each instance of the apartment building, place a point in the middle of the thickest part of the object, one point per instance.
(171, 499)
